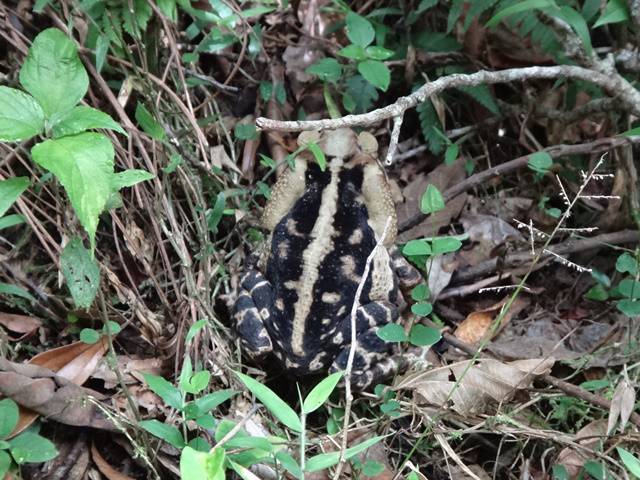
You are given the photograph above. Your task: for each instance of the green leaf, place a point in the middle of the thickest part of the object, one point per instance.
(319, 394)
(577, 23)
(422, 336)
(129, 178)
(420, 292)
(89, 336)
(597, 293)
(84, 166)
(8, 289)
(376, 73)
(625, 263)
(202, 465)
(632, 132)
(390, 406)
(165, 390)
(198, 382)
(148, 123)
(451, 154)
(168, 8)
(430, 126)
(20, 116)
(540, 162)
(482, 95)
(194, 329)
(616, 11)
(431, 200)
(9, 414)
(326, 460)
(378, 53)
(416, 247)
(5, 463)
(359, 29)
(53, 73)
(215, 214)
(445, 245)
(210, 401)
(289, 463)
(519, 7)
(111, 328)
(327, 69)
(560, 472)
(629, 288)
(630, 461)
(422, 309)
(372, 468)
(102, 48)
(631, 308)
(11, 221)
(10, 190)
(168, 433)
(272, 402)
(80, 119)
(174, 161)
(429, 41)
(245, 131)
(353, 51)
(332, 107)
(29, 447)
(81, 272)
(392, 332)
(266, 90)
(318, 154)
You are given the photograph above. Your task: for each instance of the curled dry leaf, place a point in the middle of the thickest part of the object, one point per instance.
(573, 459)
(105, 468)
(622, 405)
(131, 370)
(20, 324)
(477, 324)
(480, 385)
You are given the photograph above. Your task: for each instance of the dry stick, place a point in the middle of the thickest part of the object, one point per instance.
(615, 84)
(352, 349)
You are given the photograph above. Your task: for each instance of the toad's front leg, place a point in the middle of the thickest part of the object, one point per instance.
(251, 309)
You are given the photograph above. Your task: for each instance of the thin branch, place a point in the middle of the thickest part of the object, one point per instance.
(615, 85)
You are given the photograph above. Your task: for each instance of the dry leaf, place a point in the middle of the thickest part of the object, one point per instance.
(486, 382)
(20, 324)
(477, 324)
(131, 370)
(588, 437)
(104, 467)
(622, 405)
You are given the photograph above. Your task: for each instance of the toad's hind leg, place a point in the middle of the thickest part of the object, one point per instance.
(252, 308)
(371, 361)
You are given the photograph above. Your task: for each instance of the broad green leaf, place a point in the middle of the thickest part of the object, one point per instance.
(249, 442)
(289, 463)
(29, 447)
(20, 115)
(194, 329)
(202, 465)
(625, 263)
(185, 373)
(53, 72)
(519, 7)
(326, 460)
(420, 292)
(451, 154)
(629, 288)
(8, 289)
(376, 73)
(266, 90)
(577, 23)
(540, 162)
(372, 468)
(168, 433)
(359, 30)
(560, 472)
(81, 272)
(148, 123)
(416, 247)
(378, 53)
(327, 69)
(616, 11)
(10, 190)
(210, 401)
(8, 417)
(84, 166)
(198, 382)
(423, 336)
(392, 332)
(89, 336)
(5, 463)
(168, 8)
(245, 131)
(129, 178)
(631, 308)
(80, 119)
(353, 51)
(445, 245)
(272, 402)
(319, 394)
(318, 154)
(597, 293)
(165, 390)
(256, 11)
(11, 221)
(630, 461)
(422, 309)
(390, 406)
(111, 328)
(431, 200)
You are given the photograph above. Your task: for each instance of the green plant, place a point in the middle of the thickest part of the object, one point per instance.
(626, 292)
(27, 447)
(82, 161)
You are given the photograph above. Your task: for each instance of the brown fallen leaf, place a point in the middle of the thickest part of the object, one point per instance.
(20, 324)
(477, 324)
(104, 467)
(588, 437)
(480, 385)
(622, 405)
(74, 362)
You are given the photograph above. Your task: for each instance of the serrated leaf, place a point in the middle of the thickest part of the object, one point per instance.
(359, 29)
(29, 447)
(84, 166)
(416, 247)
(148, 123)
(165, 390)
(129, 178)
(53, 73)
(80, 119)
(21, 117)
(272, 402)
(423, 336)
(392, 332)
(431, 200)
(326, 460)
(10, 190)
(376, 73)
(327, 69)
(168, 433)
(9, 414)
(519, 7)
(319, 394)
(81, 272)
